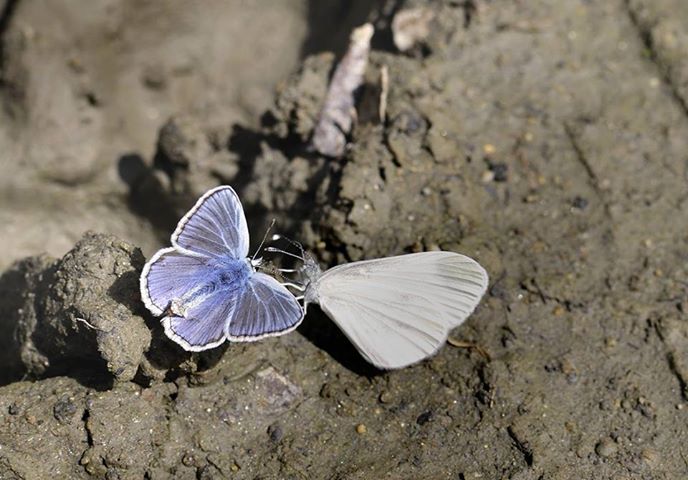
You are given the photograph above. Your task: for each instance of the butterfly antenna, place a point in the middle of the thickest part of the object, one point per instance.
(283, 252)
(262, 242)
(298, 245)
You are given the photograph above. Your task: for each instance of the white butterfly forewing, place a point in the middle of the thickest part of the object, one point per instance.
(399, 310)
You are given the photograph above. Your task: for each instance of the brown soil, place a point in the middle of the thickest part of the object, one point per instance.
(545, 139)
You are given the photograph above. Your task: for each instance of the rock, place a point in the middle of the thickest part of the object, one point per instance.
(606, 448)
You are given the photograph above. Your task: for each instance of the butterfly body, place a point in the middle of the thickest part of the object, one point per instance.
(225, 275)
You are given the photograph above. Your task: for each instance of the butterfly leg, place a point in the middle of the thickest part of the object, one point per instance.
(298, 287)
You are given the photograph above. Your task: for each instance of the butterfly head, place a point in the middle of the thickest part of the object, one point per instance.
(310, 272)
(255, 262)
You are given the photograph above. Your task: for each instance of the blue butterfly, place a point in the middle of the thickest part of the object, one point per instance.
(205, 287)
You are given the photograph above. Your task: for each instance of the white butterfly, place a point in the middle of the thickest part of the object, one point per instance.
(397, 310)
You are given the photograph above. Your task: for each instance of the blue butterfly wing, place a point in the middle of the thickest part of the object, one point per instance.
(169, 274)
(265, 308)
(203, 325)
(215, 226)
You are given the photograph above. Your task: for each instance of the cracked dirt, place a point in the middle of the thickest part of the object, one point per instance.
(548, 140)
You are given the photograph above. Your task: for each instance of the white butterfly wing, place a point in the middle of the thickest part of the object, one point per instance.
(399, 310)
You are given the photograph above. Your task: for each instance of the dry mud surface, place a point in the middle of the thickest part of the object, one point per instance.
(546, 139)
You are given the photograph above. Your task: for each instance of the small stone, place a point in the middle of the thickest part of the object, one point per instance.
(361, 429)
(64, 409)
(567, 367)
(606, 448)
(111, 474)
(500, 171)
(326, 391)
(650, 456)
(386, 397)
(188, 459)
(276, 433)
(154, 78)
(424, 418)
(580, 203)
(489, 149)
(488, 176)
(411, 26)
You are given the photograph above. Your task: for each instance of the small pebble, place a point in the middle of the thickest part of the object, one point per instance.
(361, 429)
(424, 418)
(606, 448)
(276, 433)
(500, 171)
(650, 456)
(489, 149)
(112, 474)
(386, 397)
(63, 410)
(154, 79)
(188, 459)
(326, 391)
(579, 202)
